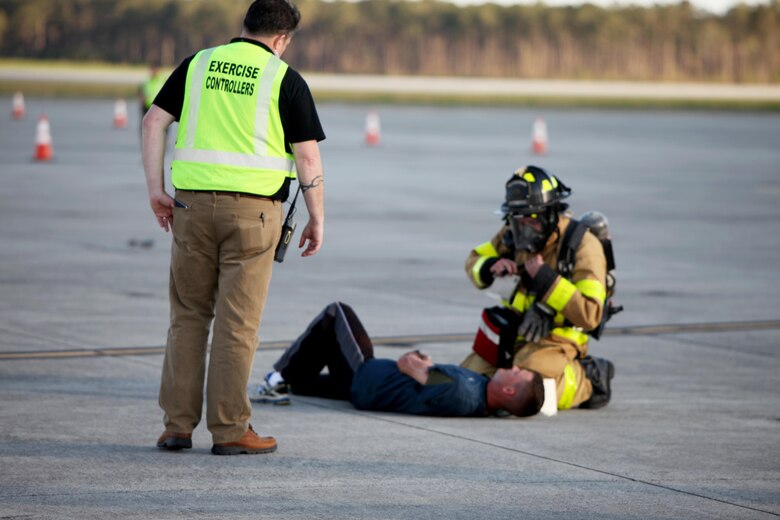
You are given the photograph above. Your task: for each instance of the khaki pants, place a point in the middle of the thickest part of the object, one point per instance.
(550, 359)
(221, 262)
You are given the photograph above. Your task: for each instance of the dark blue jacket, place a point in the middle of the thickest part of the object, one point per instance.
(379, 385)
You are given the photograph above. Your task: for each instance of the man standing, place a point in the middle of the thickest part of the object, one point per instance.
(150, 87)
(246, 120)
(555, 303)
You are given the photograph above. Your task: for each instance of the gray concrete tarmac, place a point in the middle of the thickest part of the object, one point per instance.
(693, 428)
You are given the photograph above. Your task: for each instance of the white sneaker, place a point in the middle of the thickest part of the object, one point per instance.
(266, 393)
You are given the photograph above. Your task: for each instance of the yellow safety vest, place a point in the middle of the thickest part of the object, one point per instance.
(151, 88)
(230, 132)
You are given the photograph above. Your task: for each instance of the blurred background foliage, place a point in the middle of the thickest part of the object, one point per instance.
(427, 37)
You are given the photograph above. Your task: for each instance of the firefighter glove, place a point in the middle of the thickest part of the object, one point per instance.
(537, 322)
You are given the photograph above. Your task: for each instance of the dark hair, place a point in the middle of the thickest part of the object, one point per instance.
(271, 17)
(528, 398)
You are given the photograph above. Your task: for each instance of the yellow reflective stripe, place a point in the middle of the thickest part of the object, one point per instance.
(561, 295)
(569, 388)
(486, 249)
(572, 334)
(529, 177)
(521, 301)
(546, 186)
(240, 160)
(477, 268)
(592, 289)
(196, 79)
(264, 88)
(219, 177)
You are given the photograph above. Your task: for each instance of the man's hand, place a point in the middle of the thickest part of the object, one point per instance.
(162, 207)
(155, 122)
(415, 365)
(503, 267)
(533, 264)
(537, 322)
(313, 233)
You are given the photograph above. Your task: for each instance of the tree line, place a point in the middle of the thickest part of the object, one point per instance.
(426, 37)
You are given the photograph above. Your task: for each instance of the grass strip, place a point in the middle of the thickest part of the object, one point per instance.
(120, 89)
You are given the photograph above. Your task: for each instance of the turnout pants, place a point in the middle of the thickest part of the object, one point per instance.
(221, 262)
(334, 339)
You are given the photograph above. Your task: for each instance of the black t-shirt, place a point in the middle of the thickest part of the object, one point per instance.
(296, 105)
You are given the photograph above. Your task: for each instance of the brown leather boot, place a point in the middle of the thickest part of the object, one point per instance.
(174, 441)
(250, 443)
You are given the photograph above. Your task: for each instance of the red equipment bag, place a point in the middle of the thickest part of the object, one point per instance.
(496, 336)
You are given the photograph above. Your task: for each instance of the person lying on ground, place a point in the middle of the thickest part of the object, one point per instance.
(413, 384)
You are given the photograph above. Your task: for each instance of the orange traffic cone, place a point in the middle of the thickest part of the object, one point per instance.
(43, 147)
(120, 113)
(372, 129)
(18, 106)
(539, 139)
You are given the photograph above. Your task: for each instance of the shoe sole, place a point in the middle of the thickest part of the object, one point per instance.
(239, 450)
(175, 444)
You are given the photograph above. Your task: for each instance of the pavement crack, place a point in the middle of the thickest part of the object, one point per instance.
(704, 344)
(660, 331)
(51, 340)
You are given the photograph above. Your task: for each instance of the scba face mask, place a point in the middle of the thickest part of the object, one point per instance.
(530, 232)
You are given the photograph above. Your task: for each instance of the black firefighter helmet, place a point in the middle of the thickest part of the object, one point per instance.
(533, 201)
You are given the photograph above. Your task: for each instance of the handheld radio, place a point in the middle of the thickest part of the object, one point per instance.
(288, 229)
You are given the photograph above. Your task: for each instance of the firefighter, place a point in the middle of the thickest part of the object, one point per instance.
(549, 315)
